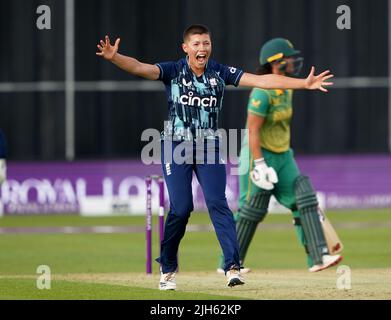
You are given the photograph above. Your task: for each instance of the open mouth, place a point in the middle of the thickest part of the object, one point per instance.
(201, 58)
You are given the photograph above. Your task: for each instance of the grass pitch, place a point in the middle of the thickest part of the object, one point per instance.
(112, 266)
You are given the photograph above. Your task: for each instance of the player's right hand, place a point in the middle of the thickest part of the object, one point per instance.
(106, 50)
(263, 176)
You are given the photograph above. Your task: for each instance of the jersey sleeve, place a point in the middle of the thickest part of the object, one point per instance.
(259, 102)
(168, 71)
(230, 75)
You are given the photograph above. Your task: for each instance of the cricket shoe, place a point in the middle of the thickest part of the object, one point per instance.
(242, 270)
(167, 281)
(234, 277)
(328, 261)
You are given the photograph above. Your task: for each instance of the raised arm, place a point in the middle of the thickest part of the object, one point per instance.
(129, 64)
(274, 81)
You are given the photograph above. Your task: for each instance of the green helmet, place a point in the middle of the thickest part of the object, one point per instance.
(276, 49)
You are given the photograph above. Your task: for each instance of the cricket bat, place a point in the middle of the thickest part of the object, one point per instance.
(334, 244)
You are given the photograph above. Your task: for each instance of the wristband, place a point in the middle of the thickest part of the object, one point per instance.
(259, 161)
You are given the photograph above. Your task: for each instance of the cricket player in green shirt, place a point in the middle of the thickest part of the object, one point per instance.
(272, 168)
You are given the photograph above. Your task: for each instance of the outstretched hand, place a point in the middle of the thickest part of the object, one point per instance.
(318, 82)
(108, 51)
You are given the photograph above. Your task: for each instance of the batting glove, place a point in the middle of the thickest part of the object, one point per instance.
(263, 176)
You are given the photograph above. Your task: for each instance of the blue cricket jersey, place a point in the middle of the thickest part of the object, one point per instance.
(194, 103)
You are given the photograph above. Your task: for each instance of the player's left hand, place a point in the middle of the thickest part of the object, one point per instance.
(313, 82)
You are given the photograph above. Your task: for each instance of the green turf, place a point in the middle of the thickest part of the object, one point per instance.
(61, 221)
(278, 249)
(17, 288)
(374, 215)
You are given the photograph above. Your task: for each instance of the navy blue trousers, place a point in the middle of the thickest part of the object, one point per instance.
(212, 179)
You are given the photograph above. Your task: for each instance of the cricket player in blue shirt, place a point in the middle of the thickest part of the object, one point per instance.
(195, 88)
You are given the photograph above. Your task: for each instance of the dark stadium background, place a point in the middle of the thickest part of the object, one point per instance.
(108, 124)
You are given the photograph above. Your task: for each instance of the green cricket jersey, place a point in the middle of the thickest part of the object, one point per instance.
(276, 107)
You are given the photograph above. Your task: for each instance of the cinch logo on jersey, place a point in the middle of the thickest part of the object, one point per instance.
(191, 100)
